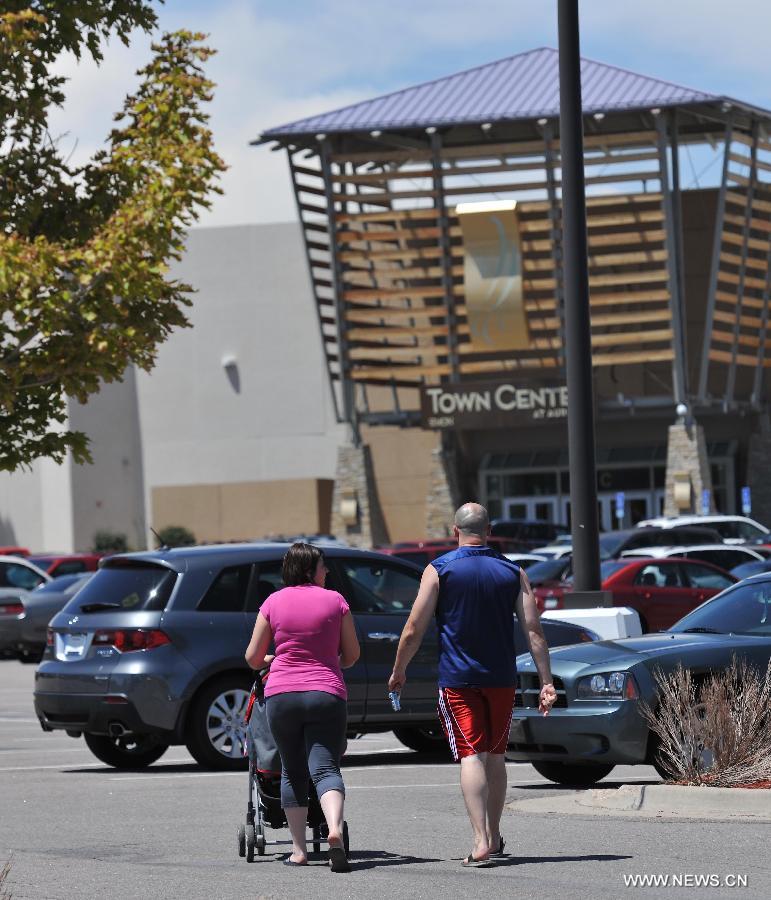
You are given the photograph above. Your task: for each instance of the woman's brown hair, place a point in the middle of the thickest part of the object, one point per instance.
(299, 565)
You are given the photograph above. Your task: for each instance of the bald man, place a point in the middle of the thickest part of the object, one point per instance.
(474, 592)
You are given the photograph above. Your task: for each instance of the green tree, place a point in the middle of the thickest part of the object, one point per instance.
(84, 252)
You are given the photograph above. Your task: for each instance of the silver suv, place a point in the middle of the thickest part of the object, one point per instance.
(151, 651)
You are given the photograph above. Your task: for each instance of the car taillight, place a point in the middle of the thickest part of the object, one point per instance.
(127, 640)
(11, 608)
(49, 637)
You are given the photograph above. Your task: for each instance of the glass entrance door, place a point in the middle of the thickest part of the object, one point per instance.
(541, 509)
(637, 506)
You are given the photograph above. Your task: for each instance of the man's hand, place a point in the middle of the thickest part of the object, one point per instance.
(546, 699)
(397, 680)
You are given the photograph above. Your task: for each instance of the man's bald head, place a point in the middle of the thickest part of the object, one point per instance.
(472, 520)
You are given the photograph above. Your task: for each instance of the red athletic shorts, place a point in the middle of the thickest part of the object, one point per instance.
(476, 720)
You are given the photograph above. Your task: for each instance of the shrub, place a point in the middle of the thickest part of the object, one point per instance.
(717, 732)
(110, 541)
(5, 871)
(176, 536)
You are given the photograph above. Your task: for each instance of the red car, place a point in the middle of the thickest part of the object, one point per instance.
(66, 563)
(661, 590)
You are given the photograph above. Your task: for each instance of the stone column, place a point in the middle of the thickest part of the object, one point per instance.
(688, 472)
(443, 496)
(356, 513)
(758, 470)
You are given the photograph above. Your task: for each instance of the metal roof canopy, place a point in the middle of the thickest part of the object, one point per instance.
(518, 89)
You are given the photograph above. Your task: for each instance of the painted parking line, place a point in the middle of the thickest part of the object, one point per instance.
(12, 720)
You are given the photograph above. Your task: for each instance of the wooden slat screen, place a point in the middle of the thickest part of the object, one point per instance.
(741, 298)
(392, 298)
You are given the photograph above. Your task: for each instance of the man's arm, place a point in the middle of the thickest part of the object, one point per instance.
(527, 613)
(412, 634)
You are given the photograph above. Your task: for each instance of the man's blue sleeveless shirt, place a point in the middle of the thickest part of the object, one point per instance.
(478, 589)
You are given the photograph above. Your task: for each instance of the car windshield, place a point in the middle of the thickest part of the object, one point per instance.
(611, 566)
(64, 584)
(126, 587)
(547, 570)
(742, 609)
(609, 543)
(751, 568)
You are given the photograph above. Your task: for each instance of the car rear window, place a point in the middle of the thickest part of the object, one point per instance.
(127, 588)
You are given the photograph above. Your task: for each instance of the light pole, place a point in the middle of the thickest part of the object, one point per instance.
(578, 344)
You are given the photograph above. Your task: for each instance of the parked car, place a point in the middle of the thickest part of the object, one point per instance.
(56, 564)
(150, 652)
(732, 529)
(550, 571)
(423, 552)
(555, 551)
(529, 532)
(661, 590)
(745, 570)
(524, 560)
(596, 722)
(24, 615)
(614, 543)
(16, 572)
(724, 556)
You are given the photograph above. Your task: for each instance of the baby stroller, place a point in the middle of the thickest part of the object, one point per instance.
(265, 780)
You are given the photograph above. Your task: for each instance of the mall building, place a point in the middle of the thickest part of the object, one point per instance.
(399, 348)
(432, 226)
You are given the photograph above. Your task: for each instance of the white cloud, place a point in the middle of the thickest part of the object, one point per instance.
(278, 62)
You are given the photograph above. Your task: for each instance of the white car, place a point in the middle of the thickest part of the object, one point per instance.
(554, 551)
(723, 556)
(524, 560)
(17, 572)
(733, 529)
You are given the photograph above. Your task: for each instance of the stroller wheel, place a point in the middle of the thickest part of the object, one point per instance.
(317, 840)
(260, 845)
(346, 842)
(250, 843)
(241, 840)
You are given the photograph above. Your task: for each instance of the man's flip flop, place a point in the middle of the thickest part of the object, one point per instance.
(470, 863)
(338, 861)
(499, 852)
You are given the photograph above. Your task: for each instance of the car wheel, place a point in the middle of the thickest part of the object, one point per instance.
(424, 739)
(577, 775)
(129, 751)
(216, 733)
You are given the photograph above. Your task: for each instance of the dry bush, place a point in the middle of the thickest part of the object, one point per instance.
(716, 733)
(4, 873)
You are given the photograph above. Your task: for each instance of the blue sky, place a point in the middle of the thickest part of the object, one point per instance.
(279, 61)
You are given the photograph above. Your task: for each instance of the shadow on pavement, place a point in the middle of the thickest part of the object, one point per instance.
(375, 859)
(160, 769)
(587, 857)
(397, 758)
(546, 786)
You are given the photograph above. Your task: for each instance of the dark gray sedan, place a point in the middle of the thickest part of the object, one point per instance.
(596, 722)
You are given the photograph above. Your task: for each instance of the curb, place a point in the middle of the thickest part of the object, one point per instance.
(659, 801)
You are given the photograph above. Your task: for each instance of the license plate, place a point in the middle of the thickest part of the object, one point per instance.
(74, 645)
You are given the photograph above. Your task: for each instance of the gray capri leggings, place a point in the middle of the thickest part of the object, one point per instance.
(309, 730)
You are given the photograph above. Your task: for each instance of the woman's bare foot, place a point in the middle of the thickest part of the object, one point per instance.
(298, 859)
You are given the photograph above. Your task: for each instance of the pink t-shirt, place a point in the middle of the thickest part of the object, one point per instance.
(306, 622)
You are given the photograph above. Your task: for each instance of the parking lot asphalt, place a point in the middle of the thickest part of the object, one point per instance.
(76, 829)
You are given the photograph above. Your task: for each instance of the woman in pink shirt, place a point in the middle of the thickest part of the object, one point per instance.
(315, 638)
